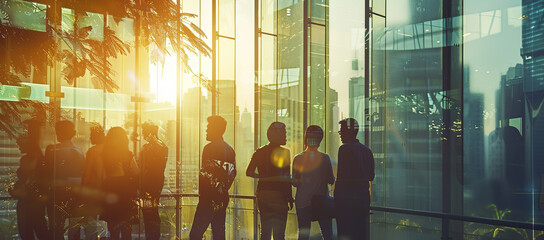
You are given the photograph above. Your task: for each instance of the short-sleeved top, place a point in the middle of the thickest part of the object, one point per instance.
(153, 158)
(274, 168)
(355, 170)
(64, 162)
(312, 172)
(214, 153)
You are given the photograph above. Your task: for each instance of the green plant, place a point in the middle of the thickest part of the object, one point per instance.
(496, 232)
(25, 53)
(407, 224)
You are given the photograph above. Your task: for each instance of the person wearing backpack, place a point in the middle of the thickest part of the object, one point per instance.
(216, 177)
(354, 175)
(64, 165)
(312, 173)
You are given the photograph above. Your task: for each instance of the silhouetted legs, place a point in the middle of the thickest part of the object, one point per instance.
(304, 217)
(31, 220)
(123, 229)
(273, 209)
(152, 222)
(352, 218)
(208, 212)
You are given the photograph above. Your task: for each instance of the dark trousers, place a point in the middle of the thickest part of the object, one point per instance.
(304, 216)
(120, 231)
(31, 220)
(352, 218)
(152, 223)
(207, 212)
(57, 213)
(273, 209)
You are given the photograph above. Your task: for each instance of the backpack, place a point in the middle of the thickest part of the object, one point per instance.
(219, 173)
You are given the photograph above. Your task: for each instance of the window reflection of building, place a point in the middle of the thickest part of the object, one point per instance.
(532, 53)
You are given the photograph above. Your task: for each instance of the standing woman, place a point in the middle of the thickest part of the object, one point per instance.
(120, 184)
(312, 172)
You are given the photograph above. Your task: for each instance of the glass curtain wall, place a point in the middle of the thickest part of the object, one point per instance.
(449, 101)
(453, 90)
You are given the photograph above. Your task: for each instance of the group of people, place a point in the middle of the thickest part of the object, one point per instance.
(67, 186)
(311, 175)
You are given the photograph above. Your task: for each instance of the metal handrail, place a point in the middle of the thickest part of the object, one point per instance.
(446, 216)
(236, 196)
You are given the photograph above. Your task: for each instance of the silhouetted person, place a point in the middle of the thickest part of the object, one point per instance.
(153, 159)
(120, 184)
(216, 177)
(351, 193)
(274, 195)
(92, 181)
(64, 163)
(312, 172)
(30, 201)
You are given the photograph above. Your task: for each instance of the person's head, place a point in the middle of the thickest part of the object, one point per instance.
(348, 129)
(29, 140)
(97, 134)
(216, 128)
(65, 130)
(277, 134)
(116, 139)
(313, 136)
(150, 131)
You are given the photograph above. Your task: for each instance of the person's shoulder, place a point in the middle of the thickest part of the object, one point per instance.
(226, 144)
(298, 156)
(52, 147)
(77, 150)
(325, 156)
(93, 150)
(262, 149)
(283, 149)
(162, 145)
(208, 145)
(364, 147)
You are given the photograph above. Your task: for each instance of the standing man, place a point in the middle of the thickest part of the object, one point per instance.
(351, 193)
(274, 194)
(153, 159)
(64, 166)
(216, 177)
(92, 181)
(27, 190)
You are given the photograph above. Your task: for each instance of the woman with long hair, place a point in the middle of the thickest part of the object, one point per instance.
(120, 184)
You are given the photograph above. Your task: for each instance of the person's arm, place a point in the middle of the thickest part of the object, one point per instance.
(340, 167)
(371, 173)
(234, 162)
(288, 186)
(296, 174)
(88, 172)
(328, 168)
(48, 163)
(250, 172)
